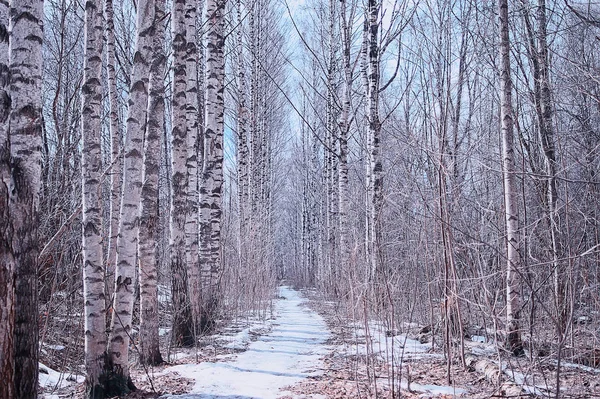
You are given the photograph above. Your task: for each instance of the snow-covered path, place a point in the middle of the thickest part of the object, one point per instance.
(285, 356)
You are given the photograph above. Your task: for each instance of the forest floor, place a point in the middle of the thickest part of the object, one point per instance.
(308, 349)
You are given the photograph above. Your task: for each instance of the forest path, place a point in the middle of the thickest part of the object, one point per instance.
(290, 353)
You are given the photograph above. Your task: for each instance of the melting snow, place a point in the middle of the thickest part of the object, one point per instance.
(288, 354)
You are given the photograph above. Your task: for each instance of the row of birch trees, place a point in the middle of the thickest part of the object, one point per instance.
(135, 161)
(448, 151)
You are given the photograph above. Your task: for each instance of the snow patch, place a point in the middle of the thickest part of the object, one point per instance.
(52, 379)
(289, 353)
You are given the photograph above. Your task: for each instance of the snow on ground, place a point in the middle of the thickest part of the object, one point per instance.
(52, 380)
(290, 353)
(241, 339)
(397, 350)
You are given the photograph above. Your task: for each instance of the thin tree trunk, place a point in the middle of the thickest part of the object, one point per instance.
(91, 165)
(149, 218)
(212, 185)
(115, 149)
(7, 267)
(182, 333)
(242, 142)
(191, 224)
(511, 215)
(344, 194)
(547, 136)
(25, 141)
(118, 346)
(374, 167)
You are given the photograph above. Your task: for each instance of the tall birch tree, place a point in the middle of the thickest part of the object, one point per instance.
(374, 165)
(191, 223)
(25, 143)
(7, 285)
(212, 171)
(120, 327)
(149, 221)
(91, 165)
(511, 216)
(116, 139)
(182, 333)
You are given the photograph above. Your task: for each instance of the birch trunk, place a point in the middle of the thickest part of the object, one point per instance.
(149, 218)
(211, 191)
(191, 224)
(91, 165)
(115, 149)
(242, 141)
(330, 167)
(7, 279)
(25, 141)
(511, 215)
(182, 333)
(118, 346)
(344, 194)
(374, 167)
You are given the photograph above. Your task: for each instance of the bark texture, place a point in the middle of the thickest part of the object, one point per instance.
(25, 141)
(118, 346)
(191, 223)
(7, 278)
(212, 171)
(374, 166)
(511, 215)
(182, 334)
(116, 145)
(149, 220)
(91, 165)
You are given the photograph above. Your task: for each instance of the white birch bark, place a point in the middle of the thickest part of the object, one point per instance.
(7, 284)
(115, 149)
(118, 346)
(191, 223)
(212, 185)
(149, 221)
(374, 166)
(91, 165)
(511, 216)
(242, 141)
(344, 131)
(25, 141)
(182, 333)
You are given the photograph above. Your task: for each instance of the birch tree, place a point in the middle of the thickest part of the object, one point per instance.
(371, 75)
(148, 232)
(212, 171)
(115, 146)
(191, 223)
(25, 142)
(91, 165)
(242, 140)
(120, 327)
(7, 293)
(344, 131)
(182, 333)
(511, 217)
